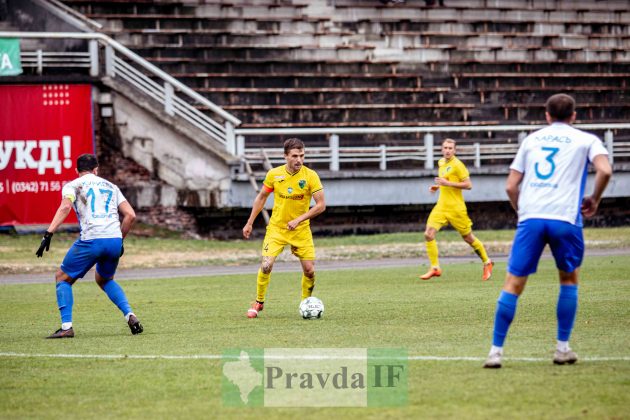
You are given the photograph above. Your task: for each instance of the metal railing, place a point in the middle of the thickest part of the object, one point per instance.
(40, 59)
(478, 153)
(177, 99)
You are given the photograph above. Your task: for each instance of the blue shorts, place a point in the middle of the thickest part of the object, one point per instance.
(564, 239)
(82, 256)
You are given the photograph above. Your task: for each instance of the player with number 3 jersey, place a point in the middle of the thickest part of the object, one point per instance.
(546, 187)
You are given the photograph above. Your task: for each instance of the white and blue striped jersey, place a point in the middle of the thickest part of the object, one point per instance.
(554, 163)
(96, 202)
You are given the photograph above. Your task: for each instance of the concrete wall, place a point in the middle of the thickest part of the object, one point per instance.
(199, 176)
(391, 190)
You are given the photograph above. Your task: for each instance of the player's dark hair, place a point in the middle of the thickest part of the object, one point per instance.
(560, 107)
(86, 163)
(293, 143)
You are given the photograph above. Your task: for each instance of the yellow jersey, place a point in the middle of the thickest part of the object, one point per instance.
(454, 170)
(291, 194)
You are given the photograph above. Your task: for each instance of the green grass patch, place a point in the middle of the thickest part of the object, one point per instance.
(159, 249)
(449, 316)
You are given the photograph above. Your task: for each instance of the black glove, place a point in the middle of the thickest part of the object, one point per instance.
(122, 249)
(45, 244)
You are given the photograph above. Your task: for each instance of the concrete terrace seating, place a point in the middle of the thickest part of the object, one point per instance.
(550, 79)
(316, 96)
(545, 5)
(333, 113)
(524, 112)
(361, 63)
(526, 94)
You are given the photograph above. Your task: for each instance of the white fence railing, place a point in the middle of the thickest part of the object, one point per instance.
(177, 99)
(477, 153)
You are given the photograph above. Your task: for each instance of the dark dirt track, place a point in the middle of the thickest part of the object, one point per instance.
(220, 270)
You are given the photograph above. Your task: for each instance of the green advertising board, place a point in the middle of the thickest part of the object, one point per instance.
(10, 57)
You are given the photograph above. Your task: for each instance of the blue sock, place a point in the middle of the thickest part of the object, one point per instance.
(566, 310)
(116, 295)
(65, 300)
(506, 308)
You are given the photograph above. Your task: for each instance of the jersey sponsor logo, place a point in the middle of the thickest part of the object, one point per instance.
(302, 183)
(278, 177)
(292, 197)
(543, 185)
(289, 190)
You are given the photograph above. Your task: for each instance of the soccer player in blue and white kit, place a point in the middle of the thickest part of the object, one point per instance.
(97, 203)
(546, 187)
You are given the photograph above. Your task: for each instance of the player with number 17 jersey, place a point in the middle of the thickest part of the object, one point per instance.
(95, 201)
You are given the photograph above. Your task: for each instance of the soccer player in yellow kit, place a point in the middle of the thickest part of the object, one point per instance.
(451, 209)
(293, 185)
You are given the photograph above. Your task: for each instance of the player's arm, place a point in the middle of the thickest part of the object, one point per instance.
(62, 212)
(603, 172)
(129, 217)
(259, 204)
(60, 216)
(318, 208)
(464, 184)
(512, 187)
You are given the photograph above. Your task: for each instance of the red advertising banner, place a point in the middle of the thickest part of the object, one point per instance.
(43, 129)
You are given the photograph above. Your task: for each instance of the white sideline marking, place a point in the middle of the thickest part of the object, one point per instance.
(306, 357)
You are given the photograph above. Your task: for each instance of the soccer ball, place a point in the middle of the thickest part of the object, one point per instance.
(311, 308)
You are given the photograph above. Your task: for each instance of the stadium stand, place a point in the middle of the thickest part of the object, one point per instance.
(342, 64)
(295, 63)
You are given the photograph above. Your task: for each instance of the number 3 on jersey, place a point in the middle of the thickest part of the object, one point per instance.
(552, 152)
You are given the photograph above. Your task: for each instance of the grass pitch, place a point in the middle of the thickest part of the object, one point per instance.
(168, 249)
(447, 317)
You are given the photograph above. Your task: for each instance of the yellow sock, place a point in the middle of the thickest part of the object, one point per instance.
(480, 250)
(432, 253)
(308, 284)
(262, 282)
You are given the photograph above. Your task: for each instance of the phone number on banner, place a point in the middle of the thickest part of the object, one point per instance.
(18, 187)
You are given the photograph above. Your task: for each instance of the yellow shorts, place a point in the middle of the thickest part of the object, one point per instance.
(301, 242)
(458, 219)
